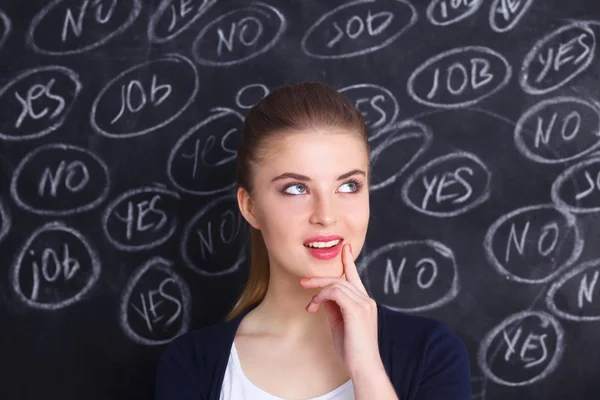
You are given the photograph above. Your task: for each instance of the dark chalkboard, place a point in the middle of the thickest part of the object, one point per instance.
(119, 121)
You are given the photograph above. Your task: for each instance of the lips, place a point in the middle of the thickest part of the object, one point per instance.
(322, 238)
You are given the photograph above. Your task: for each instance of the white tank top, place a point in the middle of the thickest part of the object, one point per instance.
(236, 386)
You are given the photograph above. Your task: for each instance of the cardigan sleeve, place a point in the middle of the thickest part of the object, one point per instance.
(177, 376)
(446, 374)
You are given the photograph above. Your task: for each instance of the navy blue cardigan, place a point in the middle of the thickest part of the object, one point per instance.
(423, 358)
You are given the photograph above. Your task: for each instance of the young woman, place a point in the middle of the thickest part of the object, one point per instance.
(305, 327)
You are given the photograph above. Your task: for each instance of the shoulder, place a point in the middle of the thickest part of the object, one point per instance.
(429, 350)
(188, 363)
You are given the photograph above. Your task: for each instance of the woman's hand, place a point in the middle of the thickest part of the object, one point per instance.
(352, 316)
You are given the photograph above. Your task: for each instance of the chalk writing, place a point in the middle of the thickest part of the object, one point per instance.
(172, 17)
(211, 241)
(575, 295)
(558, 129)
(448, 186)
(141, 219)
(37, 101)
(506, 14)
(156, 304)
(533, 244)
(130, 106)
(66, 180)
(531, 344)
(447, 12)
(357, 28)
(250, 94)
(202, 160)
(75, 26)
(412, 275)
(5, 28)
(377, 105)
(577, 189)
(459, 77)
(558, 58)
(399, 146)
(5, 220)
(56, 267)
(239, 35)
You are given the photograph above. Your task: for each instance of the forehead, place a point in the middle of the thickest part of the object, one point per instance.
(315, 153)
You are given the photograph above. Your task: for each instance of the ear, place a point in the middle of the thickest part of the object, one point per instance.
(245, 205)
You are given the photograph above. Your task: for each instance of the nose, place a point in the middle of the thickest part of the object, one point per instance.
(324, 212)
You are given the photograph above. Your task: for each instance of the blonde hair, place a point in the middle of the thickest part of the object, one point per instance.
(304, 106)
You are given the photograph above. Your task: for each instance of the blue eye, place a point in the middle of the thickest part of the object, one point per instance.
(352, 183)
(294, 185)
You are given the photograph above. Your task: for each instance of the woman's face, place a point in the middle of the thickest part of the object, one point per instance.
(311, 184)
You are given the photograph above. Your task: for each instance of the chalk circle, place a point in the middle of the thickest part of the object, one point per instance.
(568, 180)
(531, 128)
(220, 214)
(161, 11)
(156, 237)
(359, 92)
(74, 19)
(202, 161)
(582, 291)
(536, 213)
(5, 220)
(545, 321)
(536, 86)
(156, 266)
(45, 237)
(70, 84)
(397, 148)
(98, 180)
(182, 71)
(436, 282)
(466, 160)
(203, 46)
(349, 41)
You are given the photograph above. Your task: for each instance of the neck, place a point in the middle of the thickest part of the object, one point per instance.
(282, 311)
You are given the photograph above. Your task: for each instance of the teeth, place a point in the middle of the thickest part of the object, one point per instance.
(323, 245)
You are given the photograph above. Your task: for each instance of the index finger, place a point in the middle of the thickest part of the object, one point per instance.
(350, 270)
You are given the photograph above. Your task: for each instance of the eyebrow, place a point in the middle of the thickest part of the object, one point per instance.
(307, 179)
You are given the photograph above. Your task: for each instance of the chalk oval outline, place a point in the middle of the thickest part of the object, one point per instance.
(171, 57)
(30, 39)
(513, 23)
(413, 19)
(562, 178)
(219, 113)
(7, 28)
(166, 267)
(530, 56)
(478, 49)
(16, 267)
(524, 149)
(558, 284)
(460, 17)
(423, 132)
(491, 335)
(130, 193)
(253, 7)
(437, 247)
(440, 160)
(6, 220)
(186, 234)
(159, 13)
(64, 147)
(570, 221)
(386, 92)
(69, 73)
